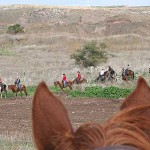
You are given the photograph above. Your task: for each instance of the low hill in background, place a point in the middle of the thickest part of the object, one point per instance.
(53, 33)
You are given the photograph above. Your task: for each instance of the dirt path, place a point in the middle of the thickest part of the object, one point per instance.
(15, 115)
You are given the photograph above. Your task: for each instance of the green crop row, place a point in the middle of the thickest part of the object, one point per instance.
(107, 92)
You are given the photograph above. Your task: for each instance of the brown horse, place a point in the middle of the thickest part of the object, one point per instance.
(127, 75)
(15, 89)
(129, 129)
(61, 85)
(3, 89)
(82, 80)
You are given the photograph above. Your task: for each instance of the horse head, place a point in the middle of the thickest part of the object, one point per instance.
(127, 130)
(55, 83)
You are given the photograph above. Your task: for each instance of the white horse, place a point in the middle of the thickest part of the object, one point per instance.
(3, 89)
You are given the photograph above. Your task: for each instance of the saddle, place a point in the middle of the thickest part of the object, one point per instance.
(18, 87)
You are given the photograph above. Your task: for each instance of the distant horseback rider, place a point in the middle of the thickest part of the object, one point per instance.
(64, 80)
(111, 72)
(78, 77)
(101, 75)
(127, 69)
(17, 83)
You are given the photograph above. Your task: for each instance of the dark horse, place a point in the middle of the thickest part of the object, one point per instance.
(82, 80)
(61, 85)
(127, 75)
(108, 76)
(3, 89)
(15, 89)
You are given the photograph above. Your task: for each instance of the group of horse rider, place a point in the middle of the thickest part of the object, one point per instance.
(111, 73)
(65, 81)
(17, 83)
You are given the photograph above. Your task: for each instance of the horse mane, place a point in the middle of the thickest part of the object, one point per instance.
(52, 129)
(90, 136)
(130, 127)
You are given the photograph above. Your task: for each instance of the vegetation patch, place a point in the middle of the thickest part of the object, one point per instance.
(15, 29)
(90, 55)
(111, 92)
(6, 52)
(6, 144)
(107, 92)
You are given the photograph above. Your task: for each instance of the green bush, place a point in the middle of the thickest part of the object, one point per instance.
(90, 55)
(14, 29)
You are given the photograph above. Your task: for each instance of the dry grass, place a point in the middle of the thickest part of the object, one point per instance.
(16, 141)
(53, 33)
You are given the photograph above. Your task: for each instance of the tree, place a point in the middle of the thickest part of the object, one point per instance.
(14, 29)
(90, 55)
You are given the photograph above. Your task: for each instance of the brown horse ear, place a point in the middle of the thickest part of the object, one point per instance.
(49, 119)
(140, 95)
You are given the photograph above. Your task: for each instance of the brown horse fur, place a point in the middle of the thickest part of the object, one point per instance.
(130, 74)
(136, 98)
(52, 129)
(14, 89)
(83, 80)
(60, 84)
(130, 127)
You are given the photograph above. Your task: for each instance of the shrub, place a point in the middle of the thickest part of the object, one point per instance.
(14, 29)
(90, 55)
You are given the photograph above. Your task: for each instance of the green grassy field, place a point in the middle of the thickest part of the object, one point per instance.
(110, 92)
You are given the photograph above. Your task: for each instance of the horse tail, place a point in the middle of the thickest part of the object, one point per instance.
(133, 75)
(25, 91)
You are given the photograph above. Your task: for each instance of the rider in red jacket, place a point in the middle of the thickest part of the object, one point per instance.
(78, 77)
(64, 80)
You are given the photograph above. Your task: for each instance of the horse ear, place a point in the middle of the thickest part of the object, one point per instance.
(140, 95)
(49, 118)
